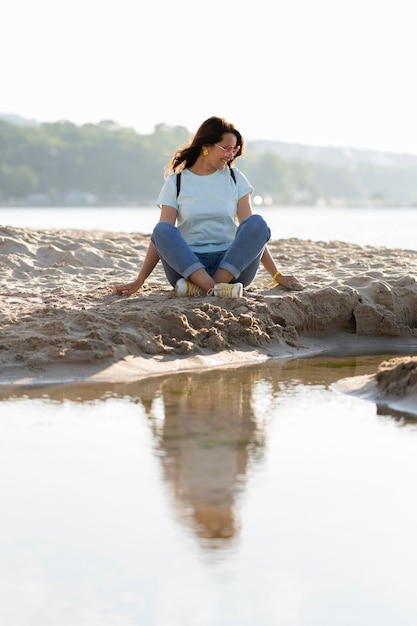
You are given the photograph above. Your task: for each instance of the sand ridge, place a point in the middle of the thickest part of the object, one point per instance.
(57, 306)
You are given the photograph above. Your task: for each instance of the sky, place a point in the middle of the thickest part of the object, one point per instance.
(315, 72)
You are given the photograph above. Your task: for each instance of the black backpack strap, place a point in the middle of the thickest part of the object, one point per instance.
(232, 174)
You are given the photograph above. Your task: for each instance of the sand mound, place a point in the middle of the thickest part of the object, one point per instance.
(397, 377)
(393, 387)
(57, 306)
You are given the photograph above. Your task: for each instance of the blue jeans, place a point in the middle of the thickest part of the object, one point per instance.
(241, 259)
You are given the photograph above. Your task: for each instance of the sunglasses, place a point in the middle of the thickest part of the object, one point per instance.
(233, 149)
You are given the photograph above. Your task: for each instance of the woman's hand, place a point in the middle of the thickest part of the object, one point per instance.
(149, 264)
(289, 282)
(127, 289)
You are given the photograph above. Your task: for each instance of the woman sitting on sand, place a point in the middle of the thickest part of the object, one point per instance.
(218, 244)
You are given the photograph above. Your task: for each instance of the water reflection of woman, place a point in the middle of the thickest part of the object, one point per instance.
(208, 434)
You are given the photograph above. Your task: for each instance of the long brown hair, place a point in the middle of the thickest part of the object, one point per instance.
(210, 132)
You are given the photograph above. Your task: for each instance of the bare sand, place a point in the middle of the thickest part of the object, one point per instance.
(60, 321)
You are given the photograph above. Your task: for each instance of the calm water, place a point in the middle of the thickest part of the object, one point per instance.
(392, 228)
(252, 496)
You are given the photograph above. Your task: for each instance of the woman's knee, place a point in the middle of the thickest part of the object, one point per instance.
(256, 224)
(259, 222)
(162, 231)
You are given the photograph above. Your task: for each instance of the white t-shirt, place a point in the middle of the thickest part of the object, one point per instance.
(206, 207)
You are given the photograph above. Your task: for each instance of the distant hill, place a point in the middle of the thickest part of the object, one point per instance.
(343, 157)
(18, 120)
(61, 163)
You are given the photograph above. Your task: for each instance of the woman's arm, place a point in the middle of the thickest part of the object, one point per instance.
(168, 214)
(244, 208)
(278, 278)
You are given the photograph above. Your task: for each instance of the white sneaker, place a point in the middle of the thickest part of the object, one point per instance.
(226, 290)
(187, 288)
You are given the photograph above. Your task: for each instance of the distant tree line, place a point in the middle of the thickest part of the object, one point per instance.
(62, 163)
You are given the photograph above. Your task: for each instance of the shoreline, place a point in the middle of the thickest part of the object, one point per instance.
(135, 368)
(401, 406)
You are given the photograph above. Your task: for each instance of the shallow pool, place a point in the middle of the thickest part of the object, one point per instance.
(249, 496)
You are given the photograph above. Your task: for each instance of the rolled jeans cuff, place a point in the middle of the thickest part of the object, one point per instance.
(192, 268)
(230, 268)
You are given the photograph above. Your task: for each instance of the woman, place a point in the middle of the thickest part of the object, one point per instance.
(218, 244)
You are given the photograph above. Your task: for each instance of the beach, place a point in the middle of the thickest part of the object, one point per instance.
(61, 322)
(166, 453)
